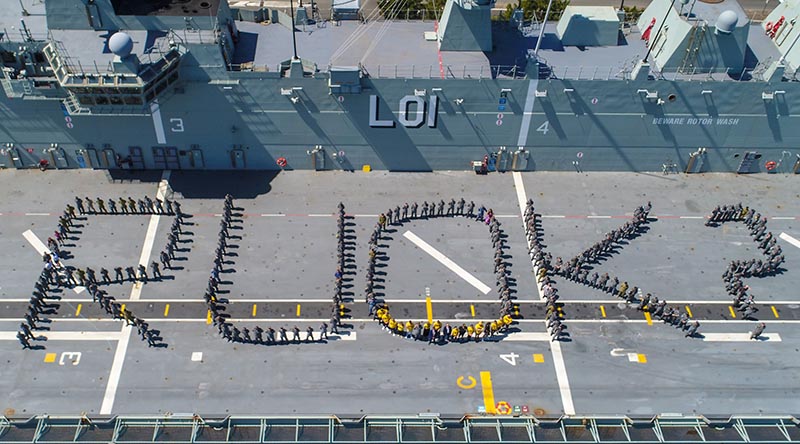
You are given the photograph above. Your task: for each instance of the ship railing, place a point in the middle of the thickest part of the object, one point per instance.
(586, 72)
(20, 36)
(445, 71)
(706, 74)
(425, 427)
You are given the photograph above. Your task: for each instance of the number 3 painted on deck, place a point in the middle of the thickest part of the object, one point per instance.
(544, 128)
(177, 124)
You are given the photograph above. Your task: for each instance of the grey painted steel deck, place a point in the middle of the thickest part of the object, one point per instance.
(286, 257)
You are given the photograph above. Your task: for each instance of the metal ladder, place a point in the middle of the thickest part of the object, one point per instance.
(747, 163)
(693, 47)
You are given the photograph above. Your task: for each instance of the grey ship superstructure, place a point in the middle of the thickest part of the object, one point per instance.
(181, 84)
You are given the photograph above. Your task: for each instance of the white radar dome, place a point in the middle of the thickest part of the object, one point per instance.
(121, 44)
(726, 22)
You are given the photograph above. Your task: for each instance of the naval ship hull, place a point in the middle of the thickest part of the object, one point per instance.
(246, 123)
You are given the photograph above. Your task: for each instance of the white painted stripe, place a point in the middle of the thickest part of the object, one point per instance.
(40, 247)
(790, 239)
(555, 348)
(505, 216)
(692, 217)
(35, 242)
(783, 218)
(272, 215)
(761, 300)
(459, 321)
(67, 335)
(320, 215)
(563, 380)
(527, 114)
(444, 260)
(527, 336)
(365, 215)
(125, 335)
(116, 370)
(158, 124)
(522, 200)
(598, 217)
(37, 214)
(739, 337)
(553, 216)
(402, 301)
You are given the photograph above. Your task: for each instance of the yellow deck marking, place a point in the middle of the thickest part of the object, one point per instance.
(689, 311)
(49, 358)
(538, 358)
(472, 310)
(298, 310)
(774, 311)
(166, 310)
(208, 317)
(733, 313)
(602, 311)
(648, 317)
(471, 385)
(488, 393)
(77, 312)
(642, 358)
(429, 309)
(122, 308)
(255, 308)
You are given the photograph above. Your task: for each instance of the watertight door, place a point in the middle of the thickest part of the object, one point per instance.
(59, 158)
(196, 159)
(136, 158)
(237, 159)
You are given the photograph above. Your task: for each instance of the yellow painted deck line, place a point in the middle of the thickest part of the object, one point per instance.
(429, 309)
(298, 310)
(472, 310)
(733, 313)
(648, 318)
(255, 309)
(774, 311)
(166, 310)
(488, 392)
(78, 310)
(689, 311)
(602, 311)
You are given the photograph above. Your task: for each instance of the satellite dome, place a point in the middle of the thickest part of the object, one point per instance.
(120, 44)
(726, 22)
(685, 2)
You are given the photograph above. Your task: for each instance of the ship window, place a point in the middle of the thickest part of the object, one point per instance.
(101, 100)
(116, 100)
(86, 100)
(672, 97)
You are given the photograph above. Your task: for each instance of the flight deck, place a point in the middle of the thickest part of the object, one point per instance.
(612, 358)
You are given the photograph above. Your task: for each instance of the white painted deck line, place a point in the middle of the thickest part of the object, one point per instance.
(447, 262)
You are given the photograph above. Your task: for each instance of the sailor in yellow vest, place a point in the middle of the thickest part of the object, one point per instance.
(454, 334)
(507, 321)
(470, 332)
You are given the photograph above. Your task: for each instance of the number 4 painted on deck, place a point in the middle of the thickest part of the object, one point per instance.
(511, 358)
(544, 128)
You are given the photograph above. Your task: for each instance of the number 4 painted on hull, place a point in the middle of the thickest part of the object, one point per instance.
(544, 128)
(511, 358)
